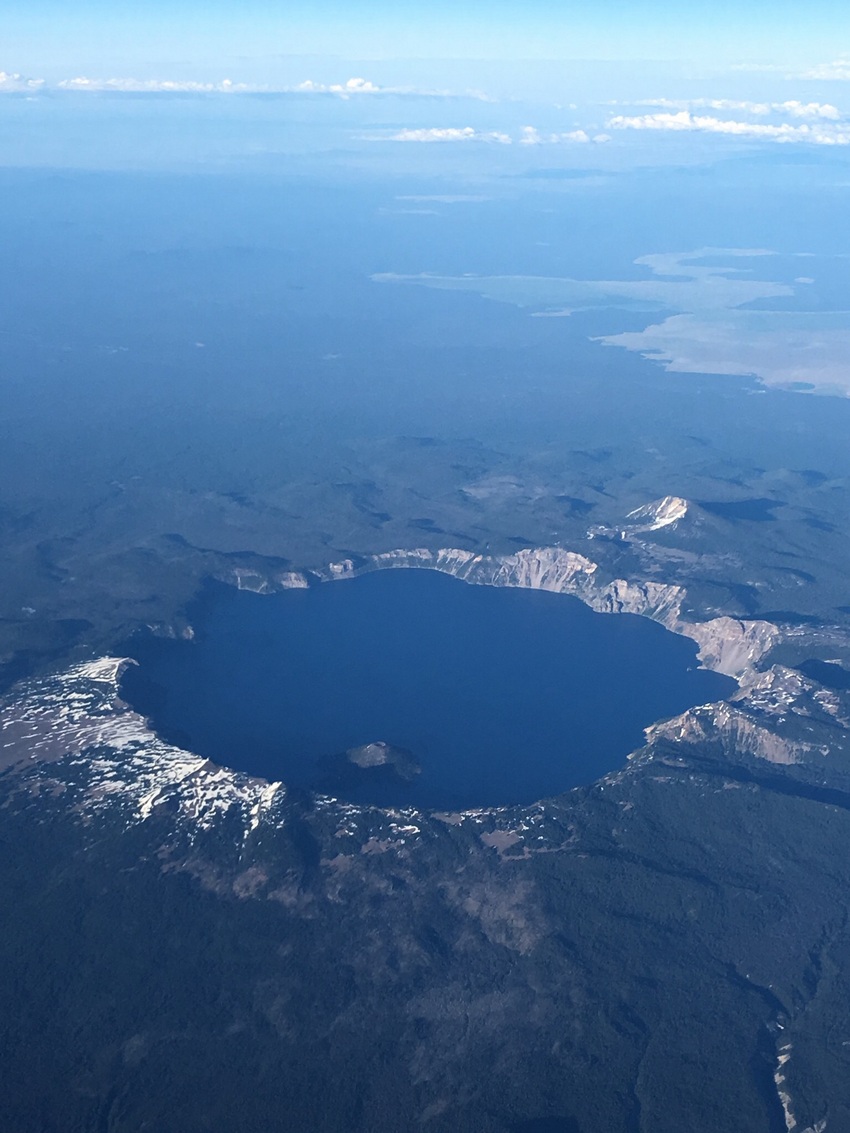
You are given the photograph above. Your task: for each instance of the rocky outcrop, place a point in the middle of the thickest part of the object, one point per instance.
(729, 645)
(736, 731)
(381, 754)
(540, 568)
(778, 716)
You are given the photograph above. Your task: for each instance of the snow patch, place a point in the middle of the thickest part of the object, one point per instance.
(78, 718)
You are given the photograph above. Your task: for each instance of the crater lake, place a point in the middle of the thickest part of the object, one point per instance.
(410, 687)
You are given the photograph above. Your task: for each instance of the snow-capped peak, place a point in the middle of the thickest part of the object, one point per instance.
(659, 513)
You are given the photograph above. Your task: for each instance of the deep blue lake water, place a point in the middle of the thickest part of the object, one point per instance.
(501, 695)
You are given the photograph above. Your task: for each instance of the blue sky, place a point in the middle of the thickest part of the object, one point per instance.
(49, 36)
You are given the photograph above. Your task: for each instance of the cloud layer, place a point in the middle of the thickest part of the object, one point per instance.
(791, 108)
(350, 88)
(533, 137)
(152, 86)
(786, 121)
(358, 86)
(451, 134)
(529, 136)
(820, 133)
(838, 70)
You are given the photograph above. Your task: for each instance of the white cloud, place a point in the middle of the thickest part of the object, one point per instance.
(451, 134)
(15, 83)
(809, 109)
(791, 108)
(531, 136)
(153, 86)
(838, 70)
(358, 86)
(350, 88)
(824, 134)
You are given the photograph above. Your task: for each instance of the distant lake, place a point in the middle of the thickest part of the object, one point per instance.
(499, 695)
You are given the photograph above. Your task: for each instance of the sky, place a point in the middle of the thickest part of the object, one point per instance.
(46, 37)
(626, 75)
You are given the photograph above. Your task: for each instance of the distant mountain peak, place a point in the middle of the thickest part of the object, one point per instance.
(658, 513)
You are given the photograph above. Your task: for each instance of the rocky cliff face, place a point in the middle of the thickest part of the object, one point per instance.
(779, 717)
